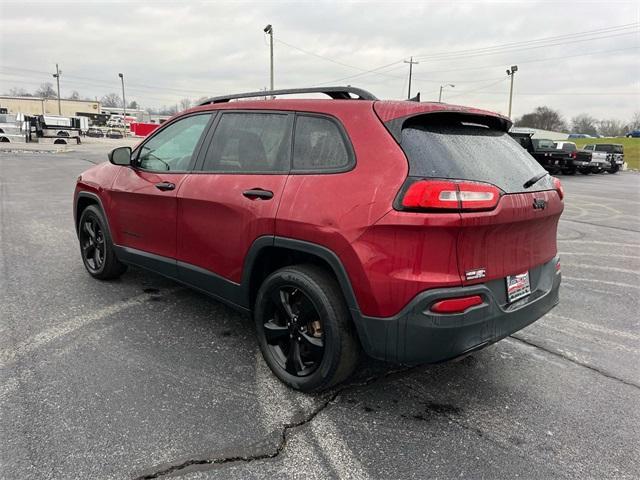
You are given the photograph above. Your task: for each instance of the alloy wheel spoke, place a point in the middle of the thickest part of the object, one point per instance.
(315, 345)
(96, 257)
(274, 332)
(294, 363)
(282, 300)
(89, 228)
(306, 310)
(87, 250)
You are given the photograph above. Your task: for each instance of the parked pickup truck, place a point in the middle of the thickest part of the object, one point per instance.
(545, 152)
(614, 151)
(582, 159)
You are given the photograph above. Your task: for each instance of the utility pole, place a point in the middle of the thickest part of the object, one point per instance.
(411, 64)
(514, 69)
(57, 77)
(124, 101)
(443, 87)
(269, 30)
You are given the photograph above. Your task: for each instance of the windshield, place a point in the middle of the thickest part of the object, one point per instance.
(471, 152)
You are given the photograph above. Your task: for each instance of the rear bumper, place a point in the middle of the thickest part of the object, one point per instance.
(417, 335)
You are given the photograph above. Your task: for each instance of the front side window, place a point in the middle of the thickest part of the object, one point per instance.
(250, 143)
(172, 148)
(318, 145)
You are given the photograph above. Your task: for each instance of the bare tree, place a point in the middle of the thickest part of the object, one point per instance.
(46, 90)
(74, 95)
(584, 123)
(635, 121)
(171, 110)
(611, 128)
(19, 92)
(133, 105)
(111, 100)
(543, 118)
(185, 103)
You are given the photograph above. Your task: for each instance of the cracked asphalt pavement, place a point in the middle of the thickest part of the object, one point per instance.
(143, 378)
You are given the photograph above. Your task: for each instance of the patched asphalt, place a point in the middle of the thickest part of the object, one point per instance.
(143, 377)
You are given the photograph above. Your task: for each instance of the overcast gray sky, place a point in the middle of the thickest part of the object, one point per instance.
(172, 50)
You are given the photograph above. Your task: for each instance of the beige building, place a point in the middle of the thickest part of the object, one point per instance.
(47, 106)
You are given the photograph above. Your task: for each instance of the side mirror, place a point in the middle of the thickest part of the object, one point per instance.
(120, 156)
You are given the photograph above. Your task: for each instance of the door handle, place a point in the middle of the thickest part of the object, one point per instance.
(258, 193)
(164, 186)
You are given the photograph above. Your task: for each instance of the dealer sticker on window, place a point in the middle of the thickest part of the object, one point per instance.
(518, 286)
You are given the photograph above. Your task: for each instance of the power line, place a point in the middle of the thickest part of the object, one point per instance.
(506, 48)
(546, 59)
(98, 82)
(527, 42)
(461, 94)
(520, 49)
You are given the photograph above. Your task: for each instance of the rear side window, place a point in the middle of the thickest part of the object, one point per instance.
(250, 143)
(319, 145)
(470, 152)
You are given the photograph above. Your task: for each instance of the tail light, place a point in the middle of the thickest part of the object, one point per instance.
(573, 154)
(558, 268)
(558, 186)
(456, 305)
(442, 195)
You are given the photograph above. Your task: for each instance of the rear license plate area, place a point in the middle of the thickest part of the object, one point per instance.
(518, 286)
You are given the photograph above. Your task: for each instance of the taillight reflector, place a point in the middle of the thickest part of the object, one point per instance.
(558, 185)
(456, 305)
(449, 195)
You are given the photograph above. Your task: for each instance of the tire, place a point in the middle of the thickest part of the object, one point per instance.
(570, 171)
(596, 170)
(614, 168)
(96, 246)
(585, 171)
(287, 304)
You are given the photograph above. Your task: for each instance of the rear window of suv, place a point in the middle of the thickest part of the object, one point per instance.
(473, 152)
(609, 148)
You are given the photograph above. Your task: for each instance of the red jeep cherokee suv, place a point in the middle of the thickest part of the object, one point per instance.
(418, 232)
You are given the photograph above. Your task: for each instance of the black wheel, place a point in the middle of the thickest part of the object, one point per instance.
(585, 171)
(304, 328)
(614, 168)
(96, 246)
(569, 171)
(596, 170)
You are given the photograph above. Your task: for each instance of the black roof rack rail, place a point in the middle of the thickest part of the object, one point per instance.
(337, 93)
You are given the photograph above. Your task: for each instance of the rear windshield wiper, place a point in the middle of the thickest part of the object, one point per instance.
(533, 180)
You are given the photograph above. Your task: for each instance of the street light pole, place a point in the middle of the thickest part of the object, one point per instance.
(57, 77)
(514, 69)
(269, 30)
(411, 64)
(124, 101)
(441, 88)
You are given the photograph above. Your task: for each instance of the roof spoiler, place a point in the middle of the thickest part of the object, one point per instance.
(396, 125)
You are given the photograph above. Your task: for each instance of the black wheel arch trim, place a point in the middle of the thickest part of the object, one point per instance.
(302, 246)
(98, 200)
